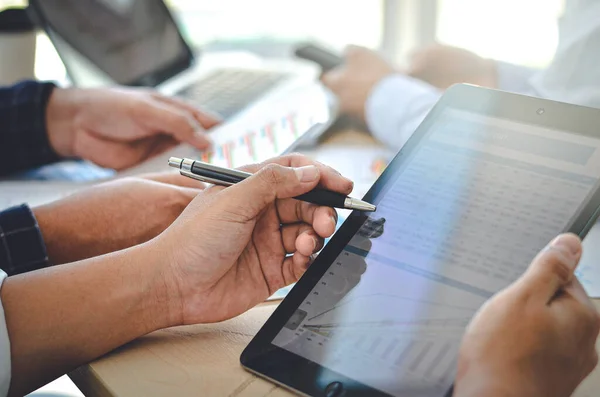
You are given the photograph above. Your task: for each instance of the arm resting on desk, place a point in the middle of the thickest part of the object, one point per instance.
(56, 315)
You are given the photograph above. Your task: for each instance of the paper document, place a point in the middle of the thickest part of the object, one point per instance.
(363, 165)
(255, 136)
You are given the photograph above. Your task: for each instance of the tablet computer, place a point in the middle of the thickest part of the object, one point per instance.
(486, 181)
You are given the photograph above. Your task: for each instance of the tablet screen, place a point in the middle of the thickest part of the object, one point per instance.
(461, 218)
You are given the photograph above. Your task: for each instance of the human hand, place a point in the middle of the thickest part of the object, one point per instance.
(353, 81)
(535, 338)
(232, 248)
(114, 215)
(121, 127)
(443, 66)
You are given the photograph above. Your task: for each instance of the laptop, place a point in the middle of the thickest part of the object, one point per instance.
(138, 43)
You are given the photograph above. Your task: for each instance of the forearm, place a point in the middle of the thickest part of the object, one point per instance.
(110, 217)
(23, 139)
(59, 318)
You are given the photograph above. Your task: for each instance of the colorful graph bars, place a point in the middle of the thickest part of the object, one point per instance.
(259, 144)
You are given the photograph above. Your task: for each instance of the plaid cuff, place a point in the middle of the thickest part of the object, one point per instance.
(24, 141)
(22, 247)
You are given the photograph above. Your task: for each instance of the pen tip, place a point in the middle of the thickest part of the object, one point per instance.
(356, 204)
(175, 162)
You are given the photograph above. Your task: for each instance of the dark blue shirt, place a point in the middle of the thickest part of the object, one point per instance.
(24, 144)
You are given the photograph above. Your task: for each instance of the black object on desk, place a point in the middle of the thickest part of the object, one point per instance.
(210, 173)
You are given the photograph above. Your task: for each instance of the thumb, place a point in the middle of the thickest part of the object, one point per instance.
(268, 184)
(553, 268)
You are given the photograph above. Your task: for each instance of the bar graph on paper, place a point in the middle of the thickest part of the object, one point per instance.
(258, 144)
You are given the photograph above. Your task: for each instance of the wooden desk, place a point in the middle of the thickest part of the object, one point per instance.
(203, 360)
(200, 360)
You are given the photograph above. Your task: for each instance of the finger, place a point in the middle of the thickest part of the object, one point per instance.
(308, 244)
(576, 290)
(294, 267)
(290, 233)
(553, 268)
(334, 78)
(330, 178)
(115, 154)
(174, 121)
(163, 143)
(174, 178)
(302, 238)
(289, 271)
(205, 118)
(254, 194)
(322, 219)
(301, 263)
(578, 312)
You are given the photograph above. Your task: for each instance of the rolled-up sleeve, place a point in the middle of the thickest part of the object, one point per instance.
(396, 106)
(4, 347)
(22, 247)
(23, 138)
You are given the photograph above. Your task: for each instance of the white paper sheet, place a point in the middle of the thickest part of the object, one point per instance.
(255, 136)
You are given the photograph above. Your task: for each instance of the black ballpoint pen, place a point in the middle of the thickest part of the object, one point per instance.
(226, 177)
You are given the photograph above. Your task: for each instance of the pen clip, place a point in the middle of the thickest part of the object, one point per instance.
(204, 179)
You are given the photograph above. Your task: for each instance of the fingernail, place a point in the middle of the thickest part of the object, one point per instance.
(334, 221)
(307, 173)
(567, 243)
(201, 138)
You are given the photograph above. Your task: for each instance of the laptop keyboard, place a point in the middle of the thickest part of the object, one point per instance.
(228, 91)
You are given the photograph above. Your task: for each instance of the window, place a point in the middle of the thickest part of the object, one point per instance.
(518, 31)
(335, 22)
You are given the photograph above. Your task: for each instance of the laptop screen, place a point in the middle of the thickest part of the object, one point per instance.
(132, 41)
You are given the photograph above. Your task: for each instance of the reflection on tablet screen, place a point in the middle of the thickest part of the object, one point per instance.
(464, 217)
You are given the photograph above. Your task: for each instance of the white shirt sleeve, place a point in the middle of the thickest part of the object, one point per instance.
(574, 74)
(513, 78)
(398, 103)
(4, 348)
(396, 106)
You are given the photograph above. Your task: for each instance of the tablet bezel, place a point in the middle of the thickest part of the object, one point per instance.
(306, 377)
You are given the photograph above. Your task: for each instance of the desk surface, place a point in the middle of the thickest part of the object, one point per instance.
(197, 360)
(203, 359)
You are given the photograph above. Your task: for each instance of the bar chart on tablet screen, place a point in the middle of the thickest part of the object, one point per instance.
(380, 325)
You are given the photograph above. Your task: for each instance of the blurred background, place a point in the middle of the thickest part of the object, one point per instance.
(518, 31)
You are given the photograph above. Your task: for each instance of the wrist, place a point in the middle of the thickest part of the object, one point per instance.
(50, 233)
(61, 113)
(64, 244)
(164, 298)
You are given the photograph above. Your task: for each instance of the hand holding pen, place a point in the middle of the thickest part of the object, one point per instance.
(226, 177)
